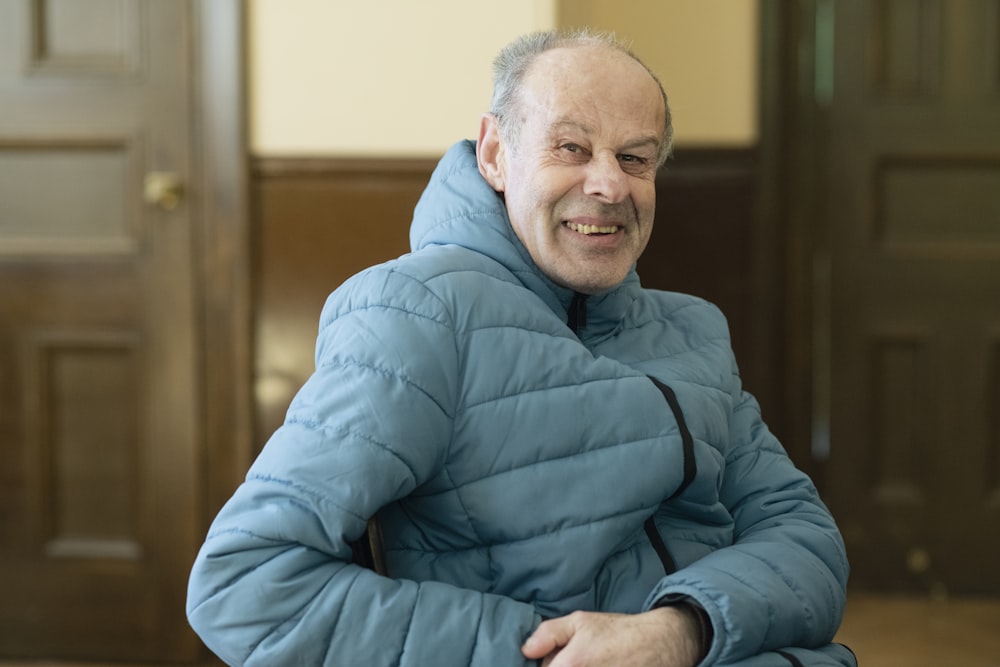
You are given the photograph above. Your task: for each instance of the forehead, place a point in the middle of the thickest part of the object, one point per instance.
(593, 87)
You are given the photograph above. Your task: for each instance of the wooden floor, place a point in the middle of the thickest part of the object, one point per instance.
(922, 632)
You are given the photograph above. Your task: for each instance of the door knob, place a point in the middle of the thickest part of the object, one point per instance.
(163, 189)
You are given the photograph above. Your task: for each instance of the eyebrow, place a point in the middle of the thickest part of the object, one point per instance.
(649, 140)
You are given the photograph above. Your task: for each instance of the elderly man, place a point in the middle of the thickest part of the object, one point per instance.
(564, 465)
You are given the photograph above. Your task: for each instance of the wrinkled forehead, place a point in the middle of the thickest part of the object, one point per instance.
(593, 85)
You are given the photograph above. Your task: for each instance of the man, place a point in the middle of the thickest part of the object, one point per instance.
(564, 466)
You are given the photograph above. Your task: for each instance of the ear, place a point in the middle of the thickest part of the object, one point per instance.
(490, 152)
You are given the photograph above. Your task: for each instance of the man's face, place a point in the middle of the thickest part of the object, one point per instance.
(579, 180)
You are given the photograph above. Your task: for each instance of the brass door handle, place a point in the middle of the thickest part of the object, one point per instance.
(163, 189)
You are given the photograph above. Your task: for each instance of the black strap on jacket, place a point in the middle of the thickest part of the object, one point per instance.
(576, 318)
(687, 441)
(690, 470)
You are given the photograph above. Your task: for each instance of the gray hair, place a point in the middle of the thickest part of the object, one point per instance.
(514, 60)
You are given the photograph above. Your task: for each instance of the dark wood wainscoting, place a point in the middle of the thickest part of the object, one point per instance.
(318, 221)
(705, 242)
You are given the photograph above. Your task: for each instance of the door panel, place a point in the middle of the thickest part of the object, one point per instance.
(912, 229)
(98, 390)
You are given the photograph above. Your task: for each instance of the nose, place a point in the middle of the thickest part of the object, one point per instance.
(605, 179)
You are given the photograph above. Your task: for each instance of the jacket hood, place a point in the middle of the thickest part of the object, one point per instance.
(459, 207)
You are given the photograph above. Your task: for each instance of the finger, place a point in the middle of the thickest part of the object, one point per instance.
(548, 637)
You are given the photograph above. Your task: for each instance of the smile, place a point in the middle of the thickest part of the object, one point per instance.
(591, 229)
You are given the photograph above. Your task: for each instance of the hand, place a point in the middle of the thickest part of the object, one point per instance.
(663, 637)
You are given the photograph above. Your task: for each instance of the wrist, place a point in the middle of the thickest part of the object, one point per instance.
(698, 621)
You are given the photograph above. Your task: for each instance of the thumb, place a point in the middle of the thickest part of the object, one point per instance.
(548, 637)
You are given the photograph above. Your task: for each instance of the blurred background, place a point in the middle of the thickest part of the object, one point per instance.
(183, 183)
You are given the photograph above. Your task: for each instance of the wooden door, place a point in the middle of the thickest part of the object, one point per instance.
(907, 271)
(98, 386)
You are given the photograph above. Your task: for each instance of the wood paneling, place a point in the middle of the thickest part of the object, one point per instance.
(992, 427)
(900, 429)
(318, 221)
(84, 389)
(906, 47)
(937, 205)
(992, 49)
(86, 37)
(89, 205)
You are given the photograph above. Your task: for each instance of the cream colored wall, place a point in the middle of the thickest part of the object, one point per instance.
(399, 78)
(376, 78)
(704, 51)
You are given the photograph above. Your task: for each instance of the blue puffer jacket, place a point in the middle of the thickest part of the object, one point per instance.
(520, 470)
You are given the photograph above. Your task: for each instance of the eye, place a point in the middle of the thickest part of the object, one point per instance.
(635, 165)
(573, 153)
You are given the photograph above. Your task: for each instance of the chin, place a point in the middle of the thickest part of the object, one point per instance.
(586, 280)
(590, 288)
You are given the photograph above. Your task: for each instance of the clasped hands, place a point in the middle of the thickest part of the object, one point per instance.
(662, 637)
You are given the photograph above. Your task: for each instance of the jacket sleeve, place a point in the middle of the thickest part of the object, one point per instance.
(782, 582)
(273, 583)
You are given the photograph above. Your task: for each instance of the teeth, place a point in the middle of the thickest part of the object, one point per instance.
(591, 229)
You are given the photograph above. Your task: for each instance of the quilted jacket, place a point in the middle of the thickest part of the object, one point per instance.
(529, 453)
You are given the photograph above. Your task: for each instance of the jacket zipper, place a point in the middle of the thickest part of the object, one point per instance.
(576, 316)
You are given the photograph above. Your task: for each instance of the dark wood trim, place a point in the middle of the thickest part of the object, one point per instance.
(775, 242)
(791, 163)
(269, 167)
(224, 244)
